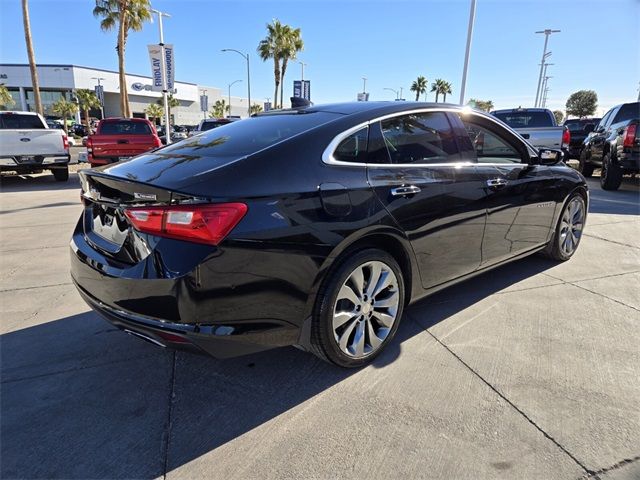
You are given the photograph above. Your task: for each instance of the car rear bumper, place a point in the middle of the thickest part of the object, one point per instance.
(630, 162)
(27, 162)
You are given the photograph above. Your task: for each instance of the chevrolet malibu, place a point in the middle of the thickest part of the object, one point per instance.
(315, 227)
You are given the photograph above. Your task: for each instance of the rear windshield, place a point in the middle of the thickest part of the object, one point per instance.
(578, 125)
(211, 125)
(125, 128)
(13, 121)
(628, 111)
(525, 119)
(249, 135)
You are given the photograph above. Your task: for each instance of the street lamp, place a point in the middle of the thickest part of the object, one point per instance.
(100, 95)
(230, 85)
(364, 84)
(467, 53)
(246, 57)
(163, 72)
(546, 32)
(393, 90)
(302, 65)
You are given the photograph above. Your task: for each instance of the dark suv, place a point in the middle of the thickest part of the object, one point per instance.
(614, 146)
(579, 128)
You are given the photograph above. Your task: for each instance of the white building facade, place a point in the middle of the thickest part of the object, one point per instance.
(58, 81)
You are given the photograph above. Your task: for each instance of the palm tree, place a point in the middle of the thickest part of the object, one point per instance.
(87, 100)
(32, 58)
(419, 86)
(255, 108)
(441, 87)
(65, 109)
(271, 47)
(172, 102)
(446, 89)
(292, 44)
(218, 109)
(154, 111)
(127, 15)
(6, 100)
(484, 105)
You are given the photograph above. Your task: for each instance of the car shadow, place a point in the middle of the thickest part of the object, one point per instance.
(38, 182)
(624, 201)
(80, 399)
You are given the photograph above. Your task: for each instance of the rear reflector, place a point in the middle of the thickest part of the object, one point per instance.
(629, 136)
(208, 224)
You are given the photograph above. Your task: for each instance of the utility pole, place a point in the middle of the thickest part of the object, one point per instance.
(546, 32)
(400, 93)
(230, 85)
(163, 71)
(100, 95)
(302, 65)
(544, 98)
(364, 84)
(393, 90)
(246, 57)
(472, 16)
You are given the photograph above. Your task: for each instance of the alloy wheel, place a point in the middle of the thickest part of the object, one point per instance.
(571, 226)
(365, 309)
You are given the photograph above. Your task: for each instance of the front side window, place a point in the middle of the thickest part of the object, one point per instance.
(353, 148)
(489, 147)
(421, 138)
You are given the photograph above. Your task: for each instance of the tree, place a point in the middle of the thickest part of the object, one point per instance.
(126, 15)
(65, 109)
(32, 58)
(218, 109)
(87, 100)
(6, 100)
(255, 108)
(484, 105)
(419, 86)
(270, 48)
(172, 102)
(291, 44)
(155, 112)
(582, 103)
(441, 87)
(559, 116)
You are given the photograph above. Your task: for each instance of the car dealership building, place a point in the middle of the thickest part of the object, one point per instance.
(58, 81)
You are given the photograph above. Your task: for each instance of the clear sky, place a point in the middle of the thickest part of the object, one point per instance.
(389, 42)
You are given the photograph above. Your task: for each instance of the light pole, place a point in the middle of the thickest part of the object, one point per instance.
(101, 96)
(230, 85)
(204, 112)
(246, 57)
(364, 84)
(400, 97)
(472, 16)
(163, 72)
(393, 90)
(546, 32)
(545, 89)
(302, 65)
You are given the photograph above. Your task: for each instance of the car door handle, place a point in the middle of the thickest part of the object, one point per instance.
(496, 183)
(405, 190)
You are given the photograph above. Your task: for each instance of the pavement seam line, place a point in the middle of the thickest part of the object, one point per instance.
(615, 466)
(509, 402)
(167, 439)
(594, 292)
(610, 241)
(39, 286)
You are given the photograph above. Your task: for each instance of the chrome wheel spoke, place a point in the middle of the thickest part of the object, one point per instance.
(390, 301)
(344, 338)
(383, 318)
(384, 281)
(347, 293)
(374, 340)
(375, 270)
(340, 318)
(358, 340)
(357, 278)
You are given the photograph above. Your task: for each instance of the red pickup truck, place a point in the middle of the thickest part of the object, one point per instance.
(120, 139)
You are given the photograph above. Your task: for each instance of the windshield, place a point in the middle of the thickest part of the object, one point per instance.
(12, 121)
(578, 125)
(525, 119)
(248, 136)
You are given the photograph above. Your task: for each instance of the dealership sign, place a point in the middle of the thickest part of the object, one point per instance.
(155, 57)
(302, 89)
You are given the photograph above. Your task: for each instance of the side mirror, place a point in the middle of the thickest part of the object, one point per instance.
(550, 157)
(589, 127)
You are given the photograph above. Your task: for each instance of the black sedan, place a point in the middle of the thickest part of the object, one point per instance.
(315, 226)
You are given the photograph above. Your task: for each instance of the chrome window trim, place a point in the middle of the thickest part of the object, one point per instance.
(329, 159)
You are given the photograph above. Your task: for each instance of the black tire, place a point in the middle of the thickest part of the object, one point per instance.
(611, 175)
(553, 250)
(323, 340)
(60, 174)
(585, 168)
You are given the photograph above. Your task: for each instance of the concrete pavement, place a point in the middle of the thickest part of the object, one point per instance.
(530, 371)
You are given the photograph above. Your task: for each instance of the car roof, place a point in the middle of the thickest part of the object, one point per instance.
(520, 109)
(350, 108)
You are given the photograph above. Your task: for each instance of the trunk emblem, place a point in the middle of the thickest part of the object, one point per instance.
(144, 196)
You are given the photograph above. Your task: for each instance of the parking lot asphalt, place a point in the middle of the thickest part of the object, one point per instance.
(530, 371)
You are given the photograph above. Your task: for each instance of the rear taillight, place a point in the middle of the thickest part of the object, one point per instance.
(156, 141)
(566, 137)
(629, 136)
(208, 224)
(65, 142)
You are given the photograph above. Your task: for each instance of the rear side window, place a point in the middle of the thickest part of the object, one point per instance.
(353, 148)
(16, 121)
(420, 138)
(628, 111)
(249, 135)
(125, 128)
(489, 147)
(525, 119)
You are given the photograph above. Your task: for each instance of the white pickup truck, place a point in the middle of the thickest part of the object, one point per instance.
(27, 145)
(536, 125)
